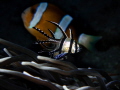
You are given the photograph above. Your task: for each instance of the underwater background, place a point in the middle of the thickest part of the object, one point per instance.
(93, 17)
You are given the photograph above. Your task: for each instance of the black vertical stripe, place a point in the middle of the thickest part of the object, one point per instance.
(76, 47)
(71, 43)
(61, 45)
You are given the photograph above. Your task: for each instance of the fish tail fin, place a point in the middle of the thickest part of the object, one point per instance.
(88, 41)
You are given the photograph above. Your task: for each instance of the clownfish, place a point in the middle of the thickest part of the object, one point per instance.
(38, 16)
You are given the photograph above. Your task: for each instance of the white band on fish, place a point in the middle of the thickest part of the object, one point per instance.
(64, 24)
(37, 16)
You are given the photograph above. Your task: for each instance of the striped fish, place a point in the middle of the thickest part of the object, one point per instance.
(38, 15)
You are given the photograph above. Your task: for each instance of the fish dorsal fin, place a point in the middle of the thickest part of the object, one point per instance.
(64, 34)
(64, 23)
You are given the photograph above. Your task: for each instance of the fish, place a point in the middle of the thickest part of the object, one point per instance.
(38, 16)
(65, 45)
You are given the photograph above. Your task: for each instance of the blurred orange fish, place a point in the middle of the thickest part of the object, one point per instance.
(36, 16)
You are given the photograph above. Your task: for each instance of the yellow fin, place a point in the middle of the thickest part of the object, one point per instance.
(88, 41)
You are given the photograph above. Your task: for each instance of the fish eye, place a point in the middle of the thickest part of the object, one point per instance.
(33, 10)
